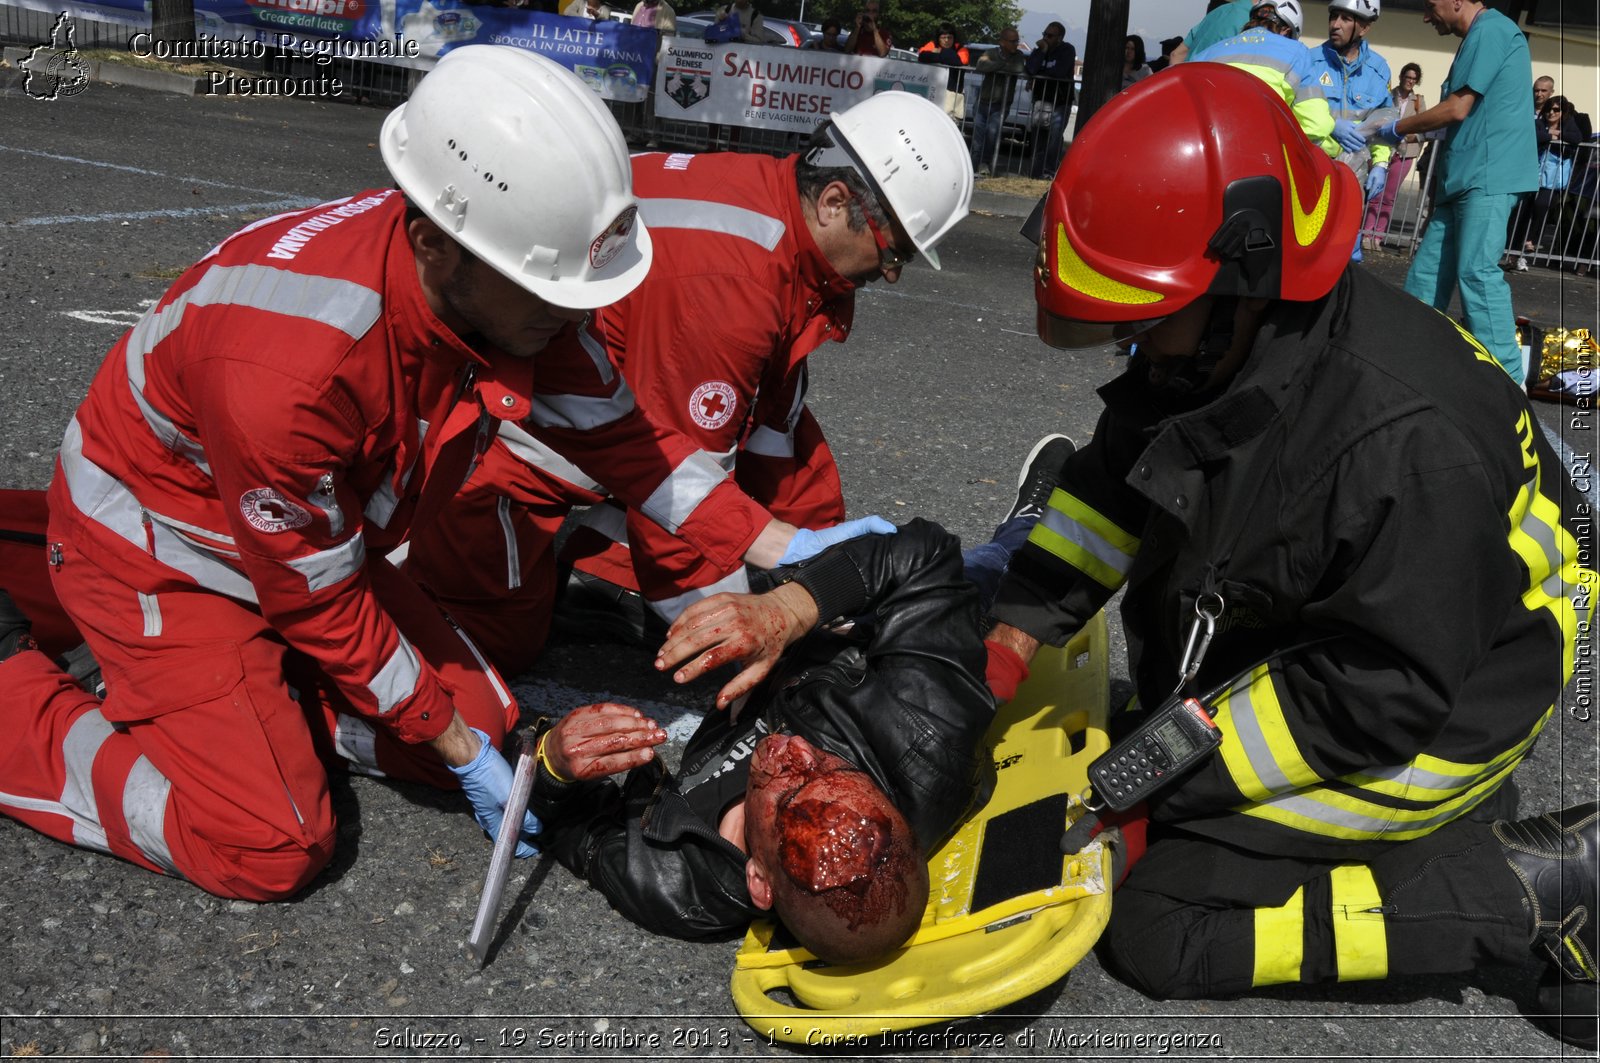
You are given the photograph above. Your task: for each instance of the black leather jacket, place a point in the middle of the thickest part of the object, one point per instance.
(901, 695)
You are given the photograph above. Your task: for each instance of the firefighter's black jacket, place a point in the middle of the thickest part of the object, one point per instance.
(1370, 482)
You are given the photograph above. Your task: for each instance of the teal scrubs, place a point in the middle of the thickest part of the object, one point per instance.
(1485, 161)
(1218, 25)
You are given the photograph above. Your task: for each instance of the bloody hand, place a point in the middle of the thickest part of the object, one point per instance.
(598, 740)
(749, 628)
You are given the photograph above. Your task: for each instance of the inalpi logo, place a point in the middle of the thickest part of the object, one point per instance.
(350, 9)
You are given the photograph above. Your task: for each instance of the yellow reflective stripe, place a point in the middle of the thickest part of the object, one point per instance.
(1360, 945)
(1077, 274)
(1280, 941)
(1556, 581)
(1307, 224)
(1258, 750)
(1085, 539)
(1478, 350)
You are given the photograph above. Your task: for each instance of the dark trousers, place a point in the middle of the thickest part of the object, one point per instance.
(1197, 918)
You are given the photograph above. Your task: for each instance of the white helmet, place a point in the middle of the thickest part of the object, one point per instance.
(1287, 10)
(913, 157)
(519, 160)
(1365, 10)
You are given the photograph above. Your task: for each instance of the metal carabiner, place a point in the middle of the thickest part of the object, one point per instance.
(1207, 610)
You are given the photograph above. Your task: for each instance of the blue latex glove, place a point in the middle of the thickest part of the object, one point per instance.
(1388, 135)
(1348, 136)
(1377, 177)
(487, 783)
(807, 543)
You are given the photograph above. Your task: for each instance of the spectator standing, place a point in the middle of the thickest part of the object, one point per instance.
(1407, 100)
(1000, 69)
(1134, 67)
(1486, 159)
(1053, 65)
(946, 49)
(829, 41)
(1557, 135)
(868, 37)
(1544, 87)
(1355, 79)
(1269, 48)
(590, 9)
(656, 15)
(750, 22)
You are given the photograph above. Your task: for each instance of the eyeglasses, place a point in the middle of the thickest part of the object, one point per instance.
(890, 258)
(1010, 40)
(1047, 35)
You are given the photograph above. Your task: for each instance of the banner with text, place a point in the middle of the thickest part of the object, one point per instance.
(615, 59)
(777, 88)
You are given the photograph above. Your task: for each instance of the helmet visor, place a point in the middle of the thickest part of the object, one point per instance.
(1071, 334)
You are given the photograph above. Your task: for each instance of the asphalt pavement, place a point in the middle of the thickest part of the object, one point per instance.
(929, 407)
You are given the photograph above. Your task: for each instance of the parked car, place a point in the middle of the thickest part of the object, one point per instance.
(779, 32)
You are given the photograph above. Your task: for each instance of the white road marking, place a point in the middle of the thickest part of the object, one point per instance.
(279, 205)
(146, 173)
(120, 318)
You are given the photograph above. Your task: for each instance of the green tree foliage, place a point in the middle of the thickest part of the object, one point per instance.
(911, 21)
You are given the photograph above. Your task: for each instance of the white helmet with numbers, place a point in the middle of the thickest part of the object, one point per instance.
(1365, 10)
(912, 156)
(520, 161)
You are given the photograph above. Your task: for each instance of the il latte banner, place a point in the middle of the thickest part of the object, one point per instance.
(776, 88)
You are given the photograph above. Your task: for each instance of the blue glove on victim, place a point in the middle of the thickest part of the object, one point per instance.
(807, 543)
(1348, 136)
(487, 783)
(1388, 135)
(1377, 177)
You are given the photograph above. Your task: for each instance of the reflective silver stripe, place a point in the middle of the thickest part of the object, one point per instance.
(1088, 540)
(385, 500)
(332, 566)
(1411, 775)
(1355, 821)
(736, 582)
(144, 807)
(681, 493)
(397, 679)
(354, 739)
(202, 566)
(582, 412)
(105, 500)
(762, 229)
(150, 606)
(609, 520)
(345, 305)
(597, 354)
(1242, 712)
(509, 532)
(212, 537)
(78, 752)
(525, 448)
(488, 670)
(1542, 534)
(771, 443)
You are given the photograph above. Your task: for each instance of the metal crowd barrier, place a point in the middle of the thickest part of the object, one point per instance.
(1563, 225)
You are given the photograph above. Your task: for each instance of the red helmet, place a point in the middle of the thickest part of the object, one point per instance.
(1196, 181)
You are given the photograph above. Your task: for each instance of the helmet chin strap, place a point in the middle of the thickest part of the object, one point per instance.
(1193, 375)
